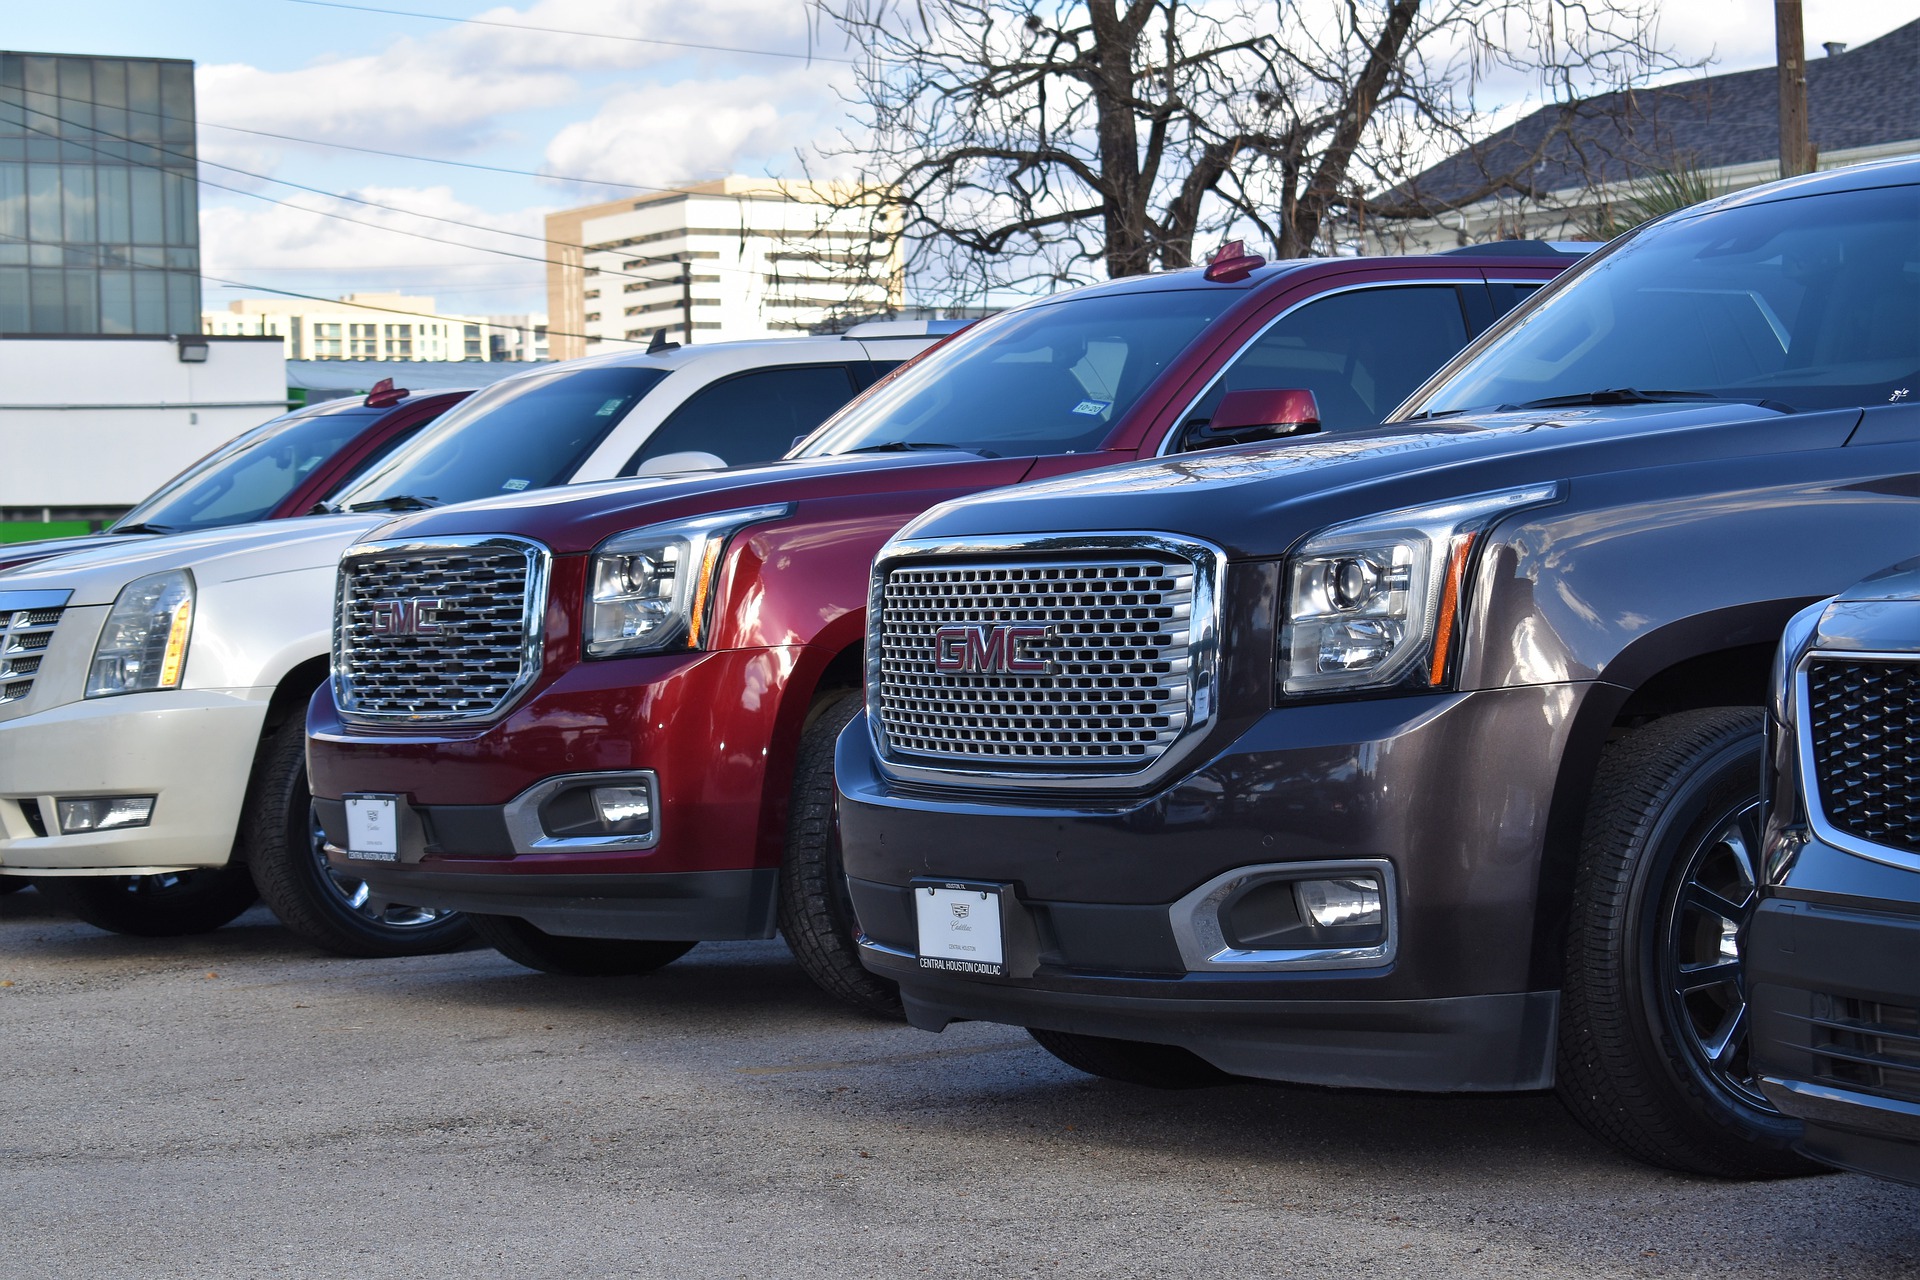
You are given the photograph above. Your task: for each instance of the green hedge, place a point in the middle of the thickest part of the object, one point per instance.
(23, 531)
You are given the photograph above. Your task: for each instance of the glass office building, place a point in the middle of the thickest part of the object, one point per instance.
(99, 216)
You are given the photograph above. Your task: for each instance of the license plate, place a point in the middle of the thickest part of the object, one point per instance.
(960, 927)
(373, 828)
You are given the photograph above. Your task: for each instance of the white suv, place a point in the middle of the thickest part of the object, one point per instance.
(153, 697)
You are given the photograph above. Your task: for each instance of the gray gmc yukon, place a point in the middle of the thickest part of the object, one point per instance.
(1426, 757)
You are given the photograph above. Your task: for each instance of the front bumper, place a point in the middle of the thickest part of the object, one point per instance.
(1461, 1003)
(192, 749)
(709, 732)
(1833, 957)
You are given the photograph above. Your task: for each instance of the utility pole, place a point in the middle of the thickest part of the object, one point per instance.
(686, 295)
(1790, 39)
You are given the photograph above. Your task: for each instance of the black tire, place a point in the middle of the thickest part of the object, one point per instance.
(816, 911)
(535, 948)
(1652, 1053)
(1155, 1066)
(332, 911)
(159, 906)
(12, 884)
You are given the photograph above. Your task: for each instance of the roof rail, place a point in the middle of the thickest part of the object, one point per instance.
(905, 328)
(1524, 249)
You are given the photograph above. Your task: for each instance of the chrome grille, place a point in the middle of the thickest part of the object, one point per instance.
(1864, 727)
(1118, 686)
(24, 636)
(437, 631)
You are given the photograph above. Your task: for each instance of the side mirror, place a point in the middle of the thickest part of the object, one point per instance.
(1243, 417)
(688, 460)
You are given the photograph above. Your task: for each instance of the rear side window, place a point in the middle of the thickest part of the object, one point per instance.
(751, 417)
(1360, 353)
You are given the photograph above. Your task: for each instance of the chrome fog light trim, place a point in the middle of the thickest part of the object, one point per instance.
(1201, 935)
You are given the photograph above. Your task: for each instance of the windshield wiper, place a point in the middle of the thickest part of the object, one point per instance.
(398, 502)
(900, 446)
(141, 526)
(1633, 395)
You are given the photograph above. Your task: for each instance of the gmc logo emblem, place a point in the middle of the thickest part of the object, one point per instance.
(977, 648)
(417, 617)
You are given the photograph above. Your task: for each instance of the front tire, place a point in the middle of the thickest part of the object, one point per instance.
(11, 884)
(335, 912)
(816, 911)
(1653, 1054)
(170, 905)
(1153, 1066)
(534, 947)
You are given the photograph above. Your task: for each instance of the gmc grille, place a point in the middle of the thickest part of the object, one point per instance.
(1864, 726)
(1117, 687)
(24, 635)
(426, 632)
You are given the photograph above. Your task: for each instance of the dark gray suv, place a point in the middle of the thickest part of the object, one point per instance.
(1833, 952)
(1426, 757)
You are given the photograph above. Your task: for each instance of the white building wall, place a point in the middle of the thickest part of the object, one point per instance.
(102, 422)
(764, 265)
(360, 326)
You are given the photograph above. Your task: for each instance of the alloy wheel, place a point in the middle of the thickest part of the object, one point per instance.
(1703, 983)
(358, 896)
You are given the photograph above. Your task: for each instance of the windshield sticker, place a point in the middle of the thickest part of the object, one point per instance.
(1093, 408)
(607, 410)
(516, 485)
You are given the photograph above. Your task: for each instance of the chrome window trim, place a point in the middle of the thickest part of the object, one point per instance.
(522, 814)
(1203, 647)
(1823, 830)
(1203, 946)
(532, 623)
(1166, 449)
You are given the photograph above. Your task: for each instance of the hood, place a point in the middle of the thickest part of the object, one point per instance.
(218, 555)
(1896, 582)
(576, 518)
(13, 554)
(1257, 500)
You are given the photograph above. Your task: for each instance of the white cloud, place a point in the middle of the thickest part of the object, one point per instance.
(694, 129)
(284, 247)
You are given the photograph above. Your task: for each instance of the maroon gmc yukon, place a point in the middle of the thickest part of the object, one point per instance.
(601, 719)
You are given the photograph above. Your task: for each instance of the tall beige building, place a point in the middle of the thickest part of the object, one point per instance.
(714, 262)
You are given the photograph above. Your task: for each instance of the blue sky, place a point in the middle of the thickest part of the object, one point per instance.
(630, 112)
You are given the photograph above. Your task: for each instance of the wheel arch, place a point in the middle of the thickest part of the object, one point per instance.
(1722, 658)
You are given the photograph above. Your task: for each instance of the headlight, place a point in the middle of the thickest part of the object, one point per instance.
(650, 589)
(1375, 603)
(144, 644)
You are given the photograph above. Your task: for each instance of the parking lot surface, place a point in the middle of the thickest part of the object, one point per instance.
(239, 1105)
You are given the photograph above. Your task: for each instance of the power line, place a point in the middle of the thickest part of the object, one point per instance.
(807, 57)
(362, 222)
(348, 146)
(99, 259)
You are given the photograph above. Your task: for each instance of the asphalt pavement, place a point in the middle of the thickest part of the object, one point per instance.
(238, 1105)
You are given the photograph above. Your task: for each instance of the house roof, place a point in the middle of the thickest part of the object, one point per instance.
(1865, 96)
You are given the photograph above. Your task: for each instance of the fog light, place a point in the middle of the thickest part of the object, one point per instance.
(624, 810)
(1342, 904)
(104, 813)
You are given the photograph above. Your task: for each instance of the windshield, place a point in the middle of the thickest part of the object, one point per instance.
(528, 432)
(248, 477)
(1811, 303)
(1046, 379)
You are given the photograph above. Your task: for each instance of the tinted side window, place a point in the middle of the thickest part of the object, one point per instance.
(1508, 296)
(751, 417)
(1360, 353)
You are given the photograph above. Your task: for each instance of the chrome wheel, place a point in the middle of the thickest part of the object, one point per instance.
(358, 896)
(1702, 974)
